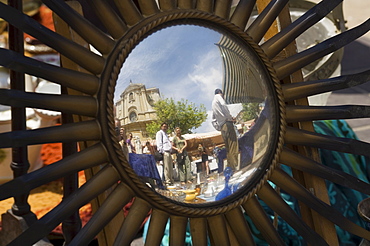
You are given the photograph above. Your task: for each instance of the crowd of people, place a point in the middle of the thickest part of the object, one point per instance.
(173, 149)
(174, 154)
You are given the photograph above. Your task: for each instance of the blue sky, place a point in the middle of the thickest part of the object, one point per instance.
(182, 61)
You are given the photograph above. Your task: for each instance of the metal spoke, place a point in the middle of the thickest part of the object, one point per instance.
(301, 137)
(265, 19)
(218, 230)
(276, 203)
(167, 4)
(206, 6)
(87, 158)
(239, 226)
(308, 88)
(110, 19)
(178, 230)
(198, 230)
(157, 225)
(88, 106)
(232, 237)
(94, 36)
(292, 187)
(96, 185)
(305, 164)
(185, 4)
(242, 13)
(263, 223)
(113, 205)
(222, 8)
(129, 11)
(310, 113)
(83, 82)
(148, 7)
(82, 131)
(61, 44)
(293, 63)
(131, 225)
(281, 40)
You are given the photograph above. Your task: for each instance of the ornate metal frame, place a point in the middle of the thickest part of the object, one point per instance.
(223, 223)
(118, 56)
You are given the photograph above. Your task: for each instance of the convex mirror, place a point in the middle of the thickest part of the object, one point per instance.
(181, 66)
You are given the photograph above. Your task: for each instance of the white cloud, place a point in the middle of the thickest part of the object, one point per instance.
(204, 76)
(208, 72)
(207, 125)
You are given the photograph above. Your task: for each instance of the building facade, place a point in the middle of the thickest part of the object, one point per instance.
(134, 109)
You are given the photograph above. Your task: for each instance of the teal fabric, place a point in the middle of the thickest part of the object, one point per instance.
(342, 199)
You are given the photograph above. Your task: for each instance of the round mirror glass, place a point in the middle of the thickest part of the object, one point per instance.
(172, 88)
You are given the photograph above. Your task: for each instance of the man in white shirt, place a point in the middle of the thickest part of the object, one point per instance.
(222, 114)
(164, 146)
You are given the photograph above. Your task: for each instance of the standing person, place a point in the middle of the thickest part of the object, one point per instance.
(224, 119)
(183, 162)
(122, 141)
(130, 145)
(138, 147)
(148, 149)
(204, 157)
(164, 146)
(122, 137)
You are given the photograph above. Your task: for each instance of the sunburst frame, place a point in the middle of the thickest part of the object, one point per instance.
(115, 183)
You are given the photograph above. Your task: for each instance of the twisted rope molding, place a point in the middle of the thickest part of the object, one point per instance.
(134, 182)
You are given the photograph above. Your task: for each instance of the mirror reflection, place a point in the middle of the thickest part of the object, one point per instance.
(172, 89)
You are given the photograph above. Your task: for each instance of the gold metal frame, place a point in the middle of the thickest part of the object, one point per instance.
(170, 18)
(113, 184)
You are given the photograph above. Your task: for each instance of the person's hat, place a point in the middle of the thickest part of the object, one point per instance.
(218, 91)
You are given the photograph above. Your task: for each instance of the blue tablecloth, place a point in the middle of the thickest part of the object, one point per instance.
(145, 166)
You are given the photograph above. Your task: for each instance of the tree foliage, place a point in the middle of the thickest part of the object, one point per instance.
(250, 111)
(183, 114)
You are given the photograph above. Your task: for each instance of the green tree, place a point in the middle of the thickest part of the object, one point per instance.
(183, 114)
(250, 111)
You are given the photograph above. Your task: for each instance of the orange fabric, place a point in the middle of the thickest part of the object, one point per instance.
(51, 153)
(45, 18)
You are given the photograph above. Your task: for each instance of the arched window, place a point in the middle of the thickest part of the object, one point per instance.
(133, 116)
(131, 97)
